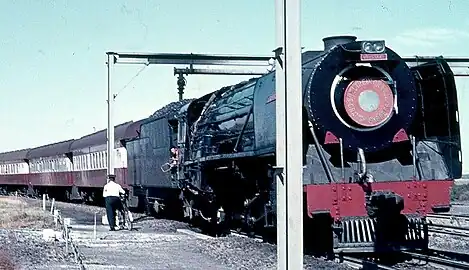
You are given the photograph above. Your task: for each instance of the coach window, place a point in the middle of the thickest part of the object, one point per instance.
(95, 165)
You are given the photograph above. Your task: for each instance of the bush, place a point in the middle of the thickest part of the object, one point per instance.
(460, 192)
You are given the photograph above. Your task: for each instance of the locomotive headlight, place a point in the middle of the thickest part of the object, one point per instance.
(373, 46)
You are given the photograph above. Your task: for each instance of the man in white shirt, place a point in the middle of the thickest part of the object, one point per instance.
(111, 193)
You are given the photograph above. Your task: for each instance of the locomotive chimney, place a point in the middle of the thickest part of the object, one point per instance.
(332, 41)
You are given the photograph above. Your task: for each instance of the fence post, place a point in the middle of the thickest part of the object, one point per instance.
(94, 227)
(44, 202)
(52, 206)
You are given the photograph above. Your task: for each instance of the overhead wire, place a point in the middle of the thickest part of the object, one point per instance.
(131, 80)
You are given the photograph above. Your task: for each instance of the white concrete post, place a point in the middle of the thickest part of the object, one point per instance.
(289, 136)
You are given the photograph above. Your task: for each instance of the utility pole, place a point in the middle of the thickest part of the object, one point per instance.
(110, 126)
(289, 106)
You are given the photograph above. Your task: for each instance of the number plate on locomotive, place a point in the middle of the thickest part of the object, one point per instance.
(373, 57)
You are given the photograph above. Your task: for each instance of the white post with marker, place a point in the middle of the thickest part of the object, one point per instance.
(289, 136)
(110, 127)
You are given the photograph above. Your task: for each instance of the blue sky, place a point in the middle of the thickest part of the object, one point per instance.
(52, 53)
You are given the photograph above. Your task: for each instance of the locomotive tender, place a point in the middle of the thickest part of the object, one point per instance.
(381, 149)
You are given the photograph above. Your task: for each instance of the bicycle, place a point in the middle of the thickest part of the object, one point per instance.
(126, 214)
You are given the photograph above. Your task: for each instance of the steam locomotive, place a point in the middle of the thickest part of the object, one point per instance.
(381, 148)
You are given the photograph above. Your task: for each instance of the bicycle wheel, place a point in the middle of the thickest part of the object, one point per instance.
(128, 220)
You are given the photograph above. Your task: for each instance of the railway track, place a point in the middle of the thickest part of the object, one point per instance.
(359, 263)
(443, 258)
(459, 220)
(455, 225)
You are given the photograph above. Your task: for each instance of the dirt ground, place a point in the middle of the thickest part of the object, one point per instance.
(21, 244)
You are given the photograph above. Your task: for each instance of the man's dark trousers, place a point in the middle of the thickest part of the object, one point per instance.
(113, 203)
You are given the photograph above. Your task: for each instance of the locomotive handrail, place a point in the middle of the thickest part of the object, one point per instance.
(449, 59)
(168, 167)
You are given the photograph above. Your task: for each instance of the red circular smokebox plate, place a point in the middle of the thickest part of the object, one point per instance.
(360, 115)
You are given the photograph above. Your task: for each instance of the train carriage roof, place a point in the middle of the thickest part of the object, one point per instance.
(14, 155)
(53, 149)
(123, 131)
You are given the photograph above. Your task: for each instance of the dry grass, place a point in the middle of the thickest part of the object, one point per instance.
(15, 213)
(5, 261)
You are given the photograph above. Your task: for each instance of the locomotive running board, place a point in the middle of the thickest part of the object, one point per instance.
(358, 235)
